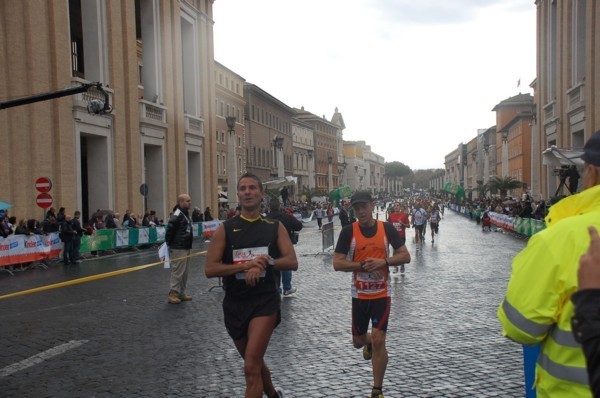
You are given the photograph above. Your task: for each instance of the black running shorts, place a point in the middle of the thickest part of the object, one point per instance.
(377, 311)
(239, 312)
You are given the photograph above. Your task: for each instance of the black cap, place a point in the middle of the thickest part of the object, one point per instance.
(591, 150)
(361, 197)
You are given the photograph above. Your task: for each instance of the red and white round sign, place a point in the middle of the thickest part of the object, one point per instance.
(44, 200)
(43, 184)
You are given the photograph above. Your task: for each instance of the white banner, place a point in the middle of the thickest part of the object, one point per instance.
(122, 237)
(143, 236)
(25, 248)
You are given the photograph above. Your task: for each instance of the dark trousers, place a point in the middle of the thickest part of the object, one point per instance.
(76, 248)
(68, 252)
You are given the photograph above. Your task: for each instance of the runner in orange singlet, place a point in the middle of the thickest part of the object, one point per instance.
(363, 249)
(399, 219)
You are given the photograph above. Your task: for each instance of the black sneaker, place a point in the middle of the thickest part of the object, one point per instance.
(376, 393)
(367, 352)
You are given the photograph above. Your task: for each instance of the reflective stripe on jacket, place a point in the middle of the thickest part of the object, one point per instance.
(537, 307)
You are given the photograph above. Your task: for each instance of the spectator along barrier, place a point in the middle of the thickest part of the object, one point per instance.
(18, 249)
(523, 226)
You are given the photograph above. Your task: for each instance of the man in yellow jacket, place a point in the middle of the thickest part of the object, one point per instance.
(537, 307)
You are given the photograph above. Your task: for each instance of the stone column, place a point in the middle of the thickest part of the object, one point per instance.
(232, 170)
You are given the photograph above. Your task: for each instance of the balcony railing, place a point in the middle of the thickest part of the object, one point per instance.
(151, 112)
(194, 125)
(576, 96)
(549, 111)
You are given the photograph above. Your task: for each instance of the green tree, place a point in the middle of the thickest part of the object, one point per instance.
(397, 169)
(482, 189)
(504, 184)
(421, 178)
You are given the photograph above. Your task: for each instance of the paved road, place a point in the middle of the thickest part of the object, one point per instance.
(118, 337)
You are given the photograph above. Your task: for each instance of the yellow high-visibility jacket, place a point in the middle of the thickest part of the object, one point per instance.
(537, 307)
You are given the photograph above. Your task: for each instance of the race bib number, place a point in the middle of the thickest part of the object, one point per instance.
(368, 282)
(241, 256)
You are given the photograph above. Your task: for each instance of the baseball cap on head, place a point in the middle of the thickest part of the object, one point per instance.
(591, 150)
(361, 197)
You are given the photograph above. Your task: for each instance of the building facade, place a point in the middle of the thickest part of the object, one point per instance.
(155, 62)
(326, 150)
(513, 139)
(231, 141)
(303, 140)
(452, 164)
(567, 82)
(375, 165)
(356, 168)
(268, 134)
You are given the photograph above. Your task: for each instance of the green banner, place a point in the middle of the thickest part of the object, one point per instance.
(108, 239)
(101, 239)
(455, 189)
(537, 226)
(518, 225)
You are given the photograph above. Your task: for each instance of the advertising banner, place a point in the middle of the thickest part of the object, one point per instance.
(143, 236)
(209, 227)
(100, 239)
(122, 237)
(327, 236)
(24, 248)
(160, 233)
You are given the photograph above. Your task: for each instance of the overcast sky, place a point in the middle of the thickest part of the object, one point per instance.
(413, 78)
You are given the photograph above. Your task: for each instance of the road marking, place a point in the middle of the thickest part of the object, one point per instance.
(93, 277)
(41, 357)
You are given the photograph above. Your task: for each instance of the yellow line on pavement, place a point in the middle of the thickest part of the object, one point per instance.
(92, 278)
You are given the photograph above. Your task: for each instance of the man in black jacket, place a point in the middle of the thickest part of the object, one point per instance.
(344, 215)
(292, 225)
(67, 236)
(77, 238)
(179, 238)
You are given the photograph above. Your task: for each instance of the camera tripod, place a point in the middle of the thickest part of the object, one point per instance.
(563, 184)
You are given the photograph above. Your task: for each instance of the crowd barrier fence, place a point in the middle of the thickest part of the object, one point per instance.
(17, 249)
(523, 226)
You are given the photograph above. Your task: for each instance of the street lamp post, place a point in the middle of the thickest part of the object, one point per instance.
(329, 173)
(232, 173)
(504, 153)
(278, 148)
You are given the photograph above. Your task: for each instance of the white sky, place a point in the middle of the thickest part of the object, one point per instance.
(413, 78)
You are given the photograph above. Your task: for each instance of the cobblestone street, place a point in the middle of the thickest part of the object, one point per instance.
(118, 337)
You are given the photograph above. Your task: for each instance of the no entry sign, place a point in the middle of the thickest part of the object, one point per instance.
(44, 200)
(43, 184)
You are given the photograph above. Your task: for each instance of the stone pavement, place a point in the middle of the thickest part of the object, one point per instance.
(118, 337)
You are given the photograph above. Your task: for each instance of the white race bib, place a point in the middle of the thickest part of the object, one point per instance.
(241, 256)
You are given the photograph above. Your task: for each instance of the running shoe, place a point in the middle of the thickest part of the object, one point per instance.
(376, 393)
(367, 352)
(289, 291)
(280, 392)
(395, 271)
(401, 268)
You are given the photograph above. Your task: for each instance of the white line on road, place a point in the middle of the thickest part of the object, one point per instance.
(41, 357)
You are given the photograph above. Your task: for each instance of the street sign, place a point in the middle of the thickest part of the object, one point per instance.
(44, 200)
(43, 184)
(144, 189)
